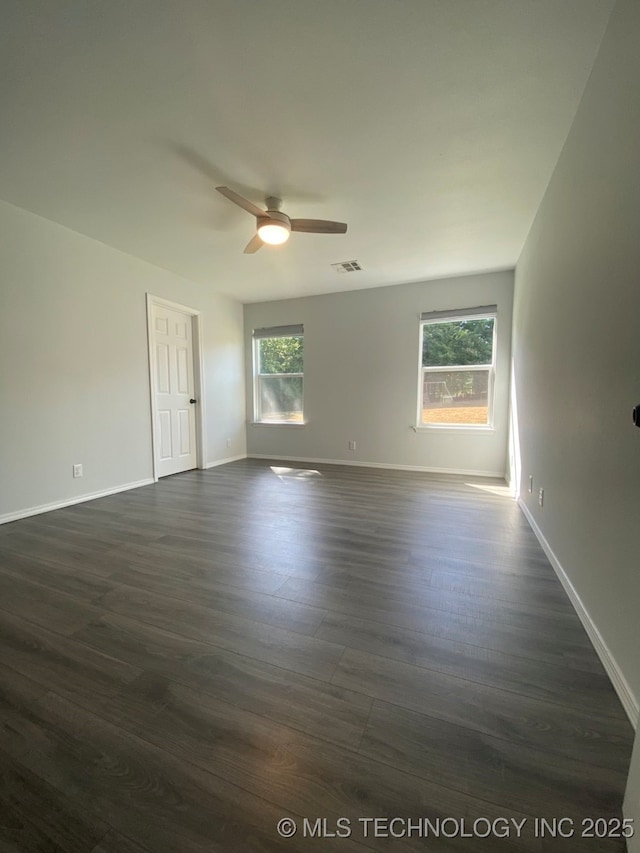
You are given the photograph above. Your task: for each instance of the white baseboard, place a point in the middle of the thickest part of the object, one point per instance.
(625, 694)
(49, 507)
(388, 465)
(91, 496)
(225, 461)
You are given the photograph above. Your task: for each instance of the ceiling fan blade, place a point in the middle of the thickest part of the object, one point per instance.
(253, 245)
(318, 226)
(241, 201)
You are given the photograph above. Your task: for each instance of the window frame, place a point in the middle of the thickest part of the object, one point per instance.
(257, 376)
(463, 316)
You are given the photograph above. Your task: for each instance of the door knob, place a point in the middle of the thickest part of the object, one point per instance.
(192, 400)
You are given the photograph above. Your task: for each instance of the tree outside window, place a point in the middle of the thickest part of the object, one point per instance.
(279, 378)
(457, 371)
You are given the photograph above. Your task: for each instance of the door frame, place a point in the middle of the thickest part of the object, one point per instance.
(198, 377)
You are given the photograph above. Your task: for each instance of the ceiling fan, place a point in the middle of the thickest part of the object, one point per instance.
(273, 226)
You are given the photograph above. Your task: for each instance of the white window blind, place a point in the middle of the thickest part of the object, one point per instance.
(278, 332)
(460, 313)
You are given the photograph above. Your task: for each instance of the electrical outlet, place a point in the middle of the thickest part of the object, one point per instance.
(352, 445)
(77, 470)
(541, 497)
(228, 442)
(530, 484)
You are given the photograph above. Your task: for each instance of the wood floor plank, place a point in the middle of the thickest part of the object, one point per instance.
(186, 663)
(36, 535)
(291, 770)
(523, 640)
(277, 558)
(99, 533)
(556, 683)
(310, 705)
(540, 592)
(525, 614)
(45, 817)
(17, 691)
(526, 561)
(286, 648)
(158, 565)
(509, 774)
(84, 586)
(258, 606)
(69, 552)
(114, 842)
(58, 663)
(19, 835)
(573, 733)
(142, 791)
(45, 606)
(205, 558)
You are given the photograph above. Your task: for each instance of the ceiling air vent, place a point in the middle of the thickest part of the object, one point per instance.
(347, 266)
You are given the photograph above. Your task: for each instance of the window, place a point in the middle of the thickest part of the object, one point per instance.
(457, 367)
(278, 374)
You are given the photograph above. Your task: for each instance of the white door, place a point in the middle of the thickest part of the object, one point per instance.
(175, 426)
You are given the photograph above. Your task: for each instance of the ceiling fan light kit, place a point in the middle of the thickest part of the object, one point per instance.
(273, 227)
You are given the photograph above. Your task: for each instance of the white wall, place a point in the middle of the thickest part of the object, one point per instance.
(631, 807)
(74, 383)
(361, 355)
(577, 351)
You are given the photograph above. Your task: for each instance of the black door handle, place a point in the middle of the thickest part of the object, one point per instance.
(192, 400)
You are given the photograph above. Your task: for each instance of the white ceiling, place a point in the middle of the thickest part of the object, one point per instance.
(430, 126)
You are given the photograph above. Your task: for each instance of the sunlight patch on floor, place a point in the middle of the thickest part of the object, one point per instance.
(502, 491)
(295, 473)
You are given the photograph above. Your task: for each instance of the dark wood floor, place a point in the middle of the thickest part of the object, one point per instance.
(185, 664)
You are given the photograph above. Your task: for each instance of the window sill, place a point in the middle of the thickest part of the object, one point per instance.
(278, 423)
(454, 428)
